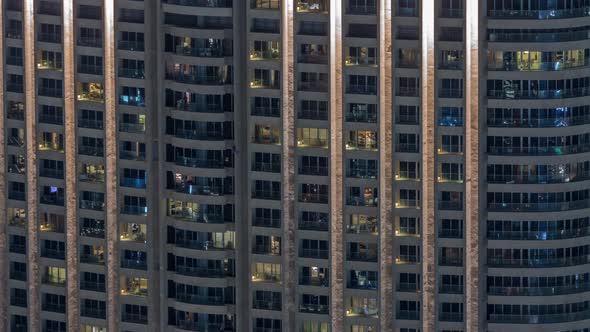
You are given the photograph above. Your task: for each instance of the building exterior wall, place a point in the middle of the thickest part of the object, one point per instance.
(294, 165)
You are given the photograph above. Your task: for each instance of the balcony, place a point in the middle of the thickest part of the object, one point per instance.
(408, 315)
(451, 12)
(92, 232)
(132, 155)
(557, 65)
(546, 14)
(137, 210)
(538, 94)
(314, 281)
(14, 87)
(580, 287)
(87, 150)
(199, 299)
(133, 264)
(54, 307)
(316, 198)
(361, 10)
(89, 69)
(133, 182)
(407, 11)
(49, 8)
(260, 249)
(201, 272)
(203, 52)
(18, 301)
(543, 262)
(266, 222)
(18, 248)
(539, 207)
(203, 245)
(407, 147)
(16, 195)
(49, 37)
(368, 228)
(314, 225)
(92, 312)
(14, 60)
(314, 170)
(321, 59)
(450, 205)
(266, 194)
(362, 284)
(51, 119)
(94, 286)
(408, 287)
(52, 200)
(91, 205)
(53, 280)
(266, 167)
(267, 305)
(362, 89)
(50, 92)
(450, 233)
(313, 86)
(537, 37)
(362, 201)
(131, 45)
(51, 173)
(314, 308)
(89, 42)
(371, 310)
(198, 189)
(556, 234)
(450, 93)
(90, 123)
(407, 92)
(97, 259)
(53, 253)
(201, 3)
(131, 73)
(198, 107)
(538, 319)
(128, 127)
(362, 256)
(450, 289)
(450, 317)
(187, 78)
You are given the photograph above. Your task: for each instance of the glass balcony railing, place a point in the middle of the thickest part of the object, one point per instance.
(581, 287)
(539, 207)
(201, 3)
(539, 14)
(544, 262)
(94, 286)
(538, 319)
(553, 234)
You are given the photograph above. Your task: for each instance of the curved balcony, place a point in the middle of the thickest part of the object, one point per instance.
(537, 36)
(539, 14)
(539, 151)
(546, 262)
(538, 319)
(553, 122)
(538, 66)
(199, 299)
(540, 291)
(558, 234)
(538, 207)
(538, 94)
(201, 3)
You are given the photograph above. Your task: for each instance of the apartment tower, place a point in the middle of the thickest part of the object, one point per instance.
(295, 165)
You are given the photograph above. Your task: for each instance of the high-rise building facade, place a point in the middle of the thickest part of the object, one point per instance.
(295, 165)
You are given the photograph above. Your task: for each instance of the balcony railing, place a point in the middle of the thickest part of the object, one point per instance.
(540, 291)
(538, 262)
(539, 207)
(556, 234)
(538, 319)
(539, 14)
